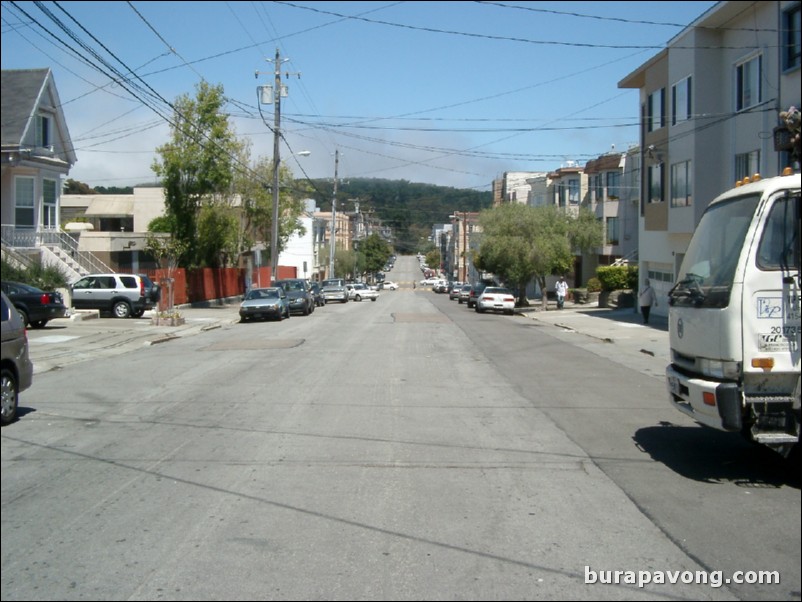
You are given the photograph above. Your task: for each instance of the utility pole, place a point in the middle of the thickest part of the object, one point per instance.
(273, 94)
(333, 215)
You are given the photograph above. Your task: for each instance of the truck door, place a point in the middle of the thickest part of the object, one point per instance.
(771, 301)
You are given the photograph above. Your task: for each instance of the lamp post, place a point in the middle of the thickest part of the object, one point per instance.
(333, 215)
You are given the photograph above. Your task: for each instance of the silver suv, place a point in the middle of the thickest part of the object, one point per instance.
(124, 295)
(17, 369)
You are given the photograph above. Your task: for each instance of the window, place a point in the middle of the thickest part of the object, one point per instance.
(613, 184)
(49, 204)
(681, 189)
(656, 110)
(681, 101)
(42, 131)
(747, 82)
(747, 165)
(612, 230)
(779, 245)
(23, 203)
(655, 183)
(573, 192)
(791, 38)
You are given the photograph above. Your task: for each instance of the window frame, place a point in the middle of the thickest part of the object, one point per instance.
(746, 79)
(676, 95)
(686, 198)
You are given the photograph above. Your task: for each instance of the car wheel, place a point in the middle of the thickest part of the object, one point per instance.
(122, 310)
(38, 324)
(138, 313)
(374, 299)
(358, 298)
(8, 391)
(24, 315)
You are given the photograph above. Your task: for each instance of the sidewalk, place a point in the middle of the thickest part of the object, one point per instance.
(617, 334)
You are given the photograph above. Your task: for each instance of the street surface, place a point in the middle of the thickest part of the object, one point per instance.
(407, 449)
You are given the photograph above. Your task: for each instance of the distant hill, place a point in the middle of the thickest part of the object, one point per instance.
(410, 209)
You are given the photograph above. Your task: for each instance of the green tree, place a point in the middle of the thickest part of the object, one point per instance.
(75, 187)
(376, 252)
(521, 243)
(197, 166)
(257, 204)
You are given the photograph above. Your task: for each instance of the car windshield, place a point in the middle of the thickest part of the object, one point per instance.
(262, 293)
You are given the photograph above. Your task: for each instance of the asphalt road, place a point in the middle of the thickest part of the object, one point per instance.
(404, 449)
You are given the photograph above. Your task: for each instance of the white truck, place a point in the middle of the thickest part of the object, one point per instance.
(734, 315)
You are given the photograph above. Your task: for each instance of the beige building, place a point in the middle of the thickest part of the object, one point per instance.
(709, 103)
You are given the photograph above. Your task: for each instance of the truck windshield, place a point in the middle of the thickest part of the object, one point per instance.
(708, 269)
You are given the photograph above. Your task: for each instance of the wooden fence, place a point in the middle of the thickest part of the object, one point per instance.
(210, 285)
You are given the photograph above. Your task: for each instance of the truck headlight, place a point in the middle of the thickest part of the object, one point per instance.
(720, 369)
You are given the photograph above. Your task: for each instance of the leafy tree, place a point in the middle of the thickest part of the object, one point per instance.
(521, 243)
(376, 252)
(196, 166)
(257, 204)
(75, 187)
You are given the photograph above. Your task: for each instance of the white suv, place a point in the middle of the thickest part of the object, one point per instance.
(124, 295)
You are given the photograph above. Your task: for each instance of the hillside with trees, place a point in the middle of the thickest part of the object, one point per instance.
(408, 208)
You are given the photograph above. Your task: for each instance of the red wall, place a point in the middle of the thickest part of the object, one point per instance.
(200, 285)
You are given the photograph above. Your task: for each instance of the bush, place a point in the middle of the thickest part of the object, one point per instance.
(594, 285)
(617, 277)
(44, 277)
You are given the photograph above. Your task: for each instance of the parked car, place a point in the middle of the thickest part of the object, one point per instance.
(359, 291)
(464, 293)
(441, 286)
(317, 294)
(17, 368)
(299, 294)
(124, 295)
(496, 298)
(476, 290)
(37, 307)
(389, 285)
(264, 303)
(334, 291)
(453, 290)
(430, 281)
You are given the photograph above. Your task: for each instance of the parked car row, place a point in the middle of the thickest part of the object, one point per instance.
(483, 297)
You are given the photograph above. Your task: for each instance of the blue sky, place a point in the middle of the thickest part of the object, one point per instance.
(449, 93)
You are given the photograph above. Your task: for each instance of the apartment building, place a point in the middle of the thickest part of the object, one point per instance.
(709, 103)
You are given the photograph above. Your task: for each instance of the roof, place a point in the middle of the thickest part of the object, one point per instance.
(24, 91)
(111, 206)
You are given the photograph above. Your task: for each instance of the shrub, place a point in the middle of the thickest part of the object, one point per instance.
(38, 275)
(616, 277)
(594, 285)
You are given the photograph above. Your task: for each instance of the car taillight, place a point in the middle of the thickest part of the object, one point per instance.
(141, 288)
(45, 299)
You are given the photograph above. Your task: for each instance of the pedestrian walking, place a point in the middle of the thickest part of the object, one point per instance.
(561, 289)
(646, 299)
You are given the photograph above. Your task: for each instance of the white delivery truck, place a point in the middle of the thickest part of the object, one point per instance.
(734, 315)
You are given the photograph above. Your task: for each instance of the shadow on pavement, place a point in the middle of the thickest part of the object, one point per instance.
(710, 456)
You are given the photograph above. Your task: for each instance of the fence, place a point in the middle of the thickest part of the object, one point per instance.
(208, 285)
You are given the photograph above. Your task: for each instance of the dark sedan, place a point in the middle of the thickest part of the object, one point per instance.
(37, 307)
(299, 295)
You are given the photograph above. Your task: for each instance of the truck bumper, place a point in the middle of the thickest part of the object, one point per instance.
(715, 404)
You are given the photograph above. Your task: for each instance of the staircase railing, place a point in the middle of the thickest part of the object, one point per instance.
(28, 238)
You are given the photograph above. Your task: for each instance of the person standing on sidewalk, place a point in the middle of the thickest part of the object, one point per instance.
(646, 299)
(561, 289)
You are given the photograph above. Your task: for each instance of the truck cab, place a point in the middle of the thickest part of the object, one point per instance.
(734, 316)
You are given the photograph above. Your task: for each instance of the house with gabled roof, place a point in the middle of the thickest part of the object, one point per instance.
(37, 152)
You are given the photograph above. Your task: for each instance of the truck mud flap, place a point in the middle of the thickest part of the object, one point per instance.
(728, 401)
